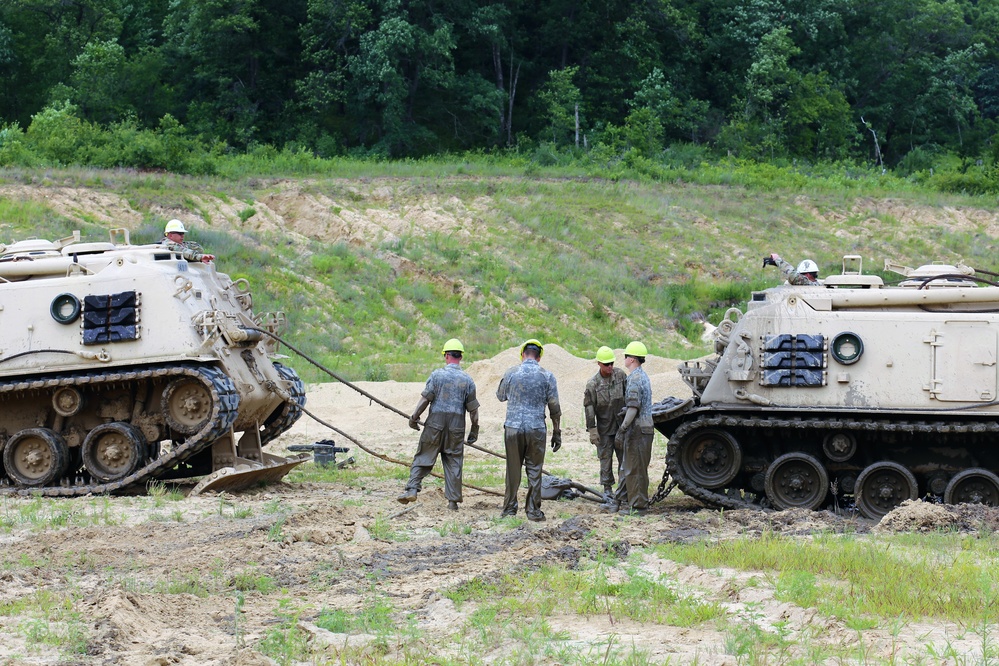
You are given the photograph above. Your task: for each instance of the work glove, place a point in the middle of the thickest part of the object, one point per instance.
(594, 436)
(414, 421)
(473, 434)
(769, 261)
(556, 440)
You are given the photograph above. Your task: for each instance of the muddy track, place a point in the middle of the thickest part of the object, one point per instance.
(225, 401)
(735, 498)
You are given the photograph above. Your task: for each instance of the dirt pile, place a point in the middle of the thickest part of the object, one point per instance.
(920, 516)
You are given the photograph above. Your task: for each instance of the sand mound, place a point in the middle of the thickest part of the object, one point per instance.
(919, 516)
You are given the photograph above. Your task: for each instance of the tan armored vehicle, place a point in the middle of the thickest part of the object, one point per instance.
(120, 364)
(851, 391)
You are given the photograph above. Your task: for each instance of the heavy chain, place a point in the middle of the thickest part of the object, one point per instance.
(664, 489)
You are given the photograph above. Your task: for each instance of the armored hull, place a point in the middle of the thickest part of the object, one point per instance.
(851, 391)
(121, 364)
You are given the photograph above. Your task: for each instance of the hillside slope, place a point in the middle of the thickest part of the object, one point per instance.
(374, 273)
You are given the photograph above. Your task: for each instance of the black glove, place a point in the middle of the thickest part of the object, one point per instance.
(768, 261)
(556, 440)
(414, 422)
(473, 434)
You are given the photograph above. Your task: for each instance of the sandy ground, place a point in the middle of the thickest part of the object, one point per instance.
(122, 563)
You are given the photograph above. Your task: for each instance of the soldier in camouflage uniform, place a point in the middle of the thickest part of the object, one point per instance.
(635, 436)
(449, 393)
(527, 389)
(173, 240)
(806, 274)
(603, 402)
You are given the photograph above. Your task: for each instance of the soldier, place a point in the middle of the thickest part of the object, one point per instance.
(449, 393)
(173, 239)
(807, 273)
(603, 402)
(529, 388)
(635, 436)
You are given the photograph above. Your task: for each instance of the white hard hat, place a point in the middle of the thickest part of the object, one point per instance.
(175, 225)
(808, 266)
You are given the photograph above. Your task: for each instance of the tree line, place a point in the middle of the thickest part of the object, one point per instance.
(897, 83)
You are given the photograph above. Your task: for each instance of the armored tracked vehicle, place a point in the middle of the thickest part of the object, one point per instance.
(847, 392)
(121, 364)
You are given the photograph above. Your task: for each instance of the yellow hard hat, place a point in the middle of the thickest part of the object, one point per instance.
(636, 348)
(532, 341)
(605, 355)
(454, 344)
(175, 225)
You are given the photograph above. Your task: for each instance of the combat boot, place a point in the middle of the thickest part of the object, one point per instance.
(409, 495)
(452, 505)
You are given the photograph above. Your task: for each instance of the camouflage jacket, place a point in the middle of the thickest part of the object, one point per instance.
(450, 391)
(639, 394)
(603, 400)
(792, 275)
(527, 389)
(182, 249)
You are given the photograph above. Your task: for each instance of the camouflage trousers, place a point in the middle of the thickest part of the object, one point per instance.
(633, 487)
(606, 452)
(443, 435)
(524, 449)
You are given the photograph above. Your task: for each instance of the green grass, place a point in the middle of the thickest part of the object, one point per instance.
(41, 513)
(589, 591)
(49, 619)
(374, 618)
(861, 582)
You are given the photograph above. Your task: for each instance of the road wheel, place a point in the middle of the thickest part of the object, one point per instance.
(883, 486)
(973, 486)
(35, 457)
(112, 451)
(710, 458)
(797, 481)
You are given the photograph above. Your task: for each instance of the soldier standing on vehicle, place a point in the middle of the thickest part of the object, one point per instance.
(603, 402)
(449, 393)
(807, 273)
(173, 239)
(635, 436)
(527, 389)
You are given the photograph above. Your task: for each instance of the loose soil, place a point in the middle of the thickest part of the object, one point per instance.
(340, 546)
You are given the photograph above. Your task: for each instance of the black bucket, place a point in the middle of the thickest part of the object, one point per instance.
(323, 454)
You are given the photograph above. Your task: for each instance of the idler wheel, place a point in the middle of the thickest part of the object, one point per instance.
(112, 451)
(883, 486)
(187, 405)
(797, 481)
(35, 457)
(710, 458)
(973, 486)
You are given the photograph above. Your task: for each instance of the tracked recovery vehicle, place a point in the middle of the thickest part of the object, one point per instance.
(121, 364)
(852, 392)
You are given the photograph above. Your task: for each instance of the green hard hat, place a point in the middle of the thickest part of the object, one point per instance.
(636, 348)
(532, 341)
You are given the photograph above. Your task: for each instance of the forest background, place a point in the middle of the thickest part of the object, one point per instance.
(645, 87)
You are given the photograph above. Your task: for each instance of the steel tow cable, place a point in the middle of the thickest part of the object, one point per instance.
(373, 399)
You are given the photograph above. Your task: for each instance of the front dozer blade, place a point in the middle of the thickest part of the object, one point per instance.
(247, 474)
